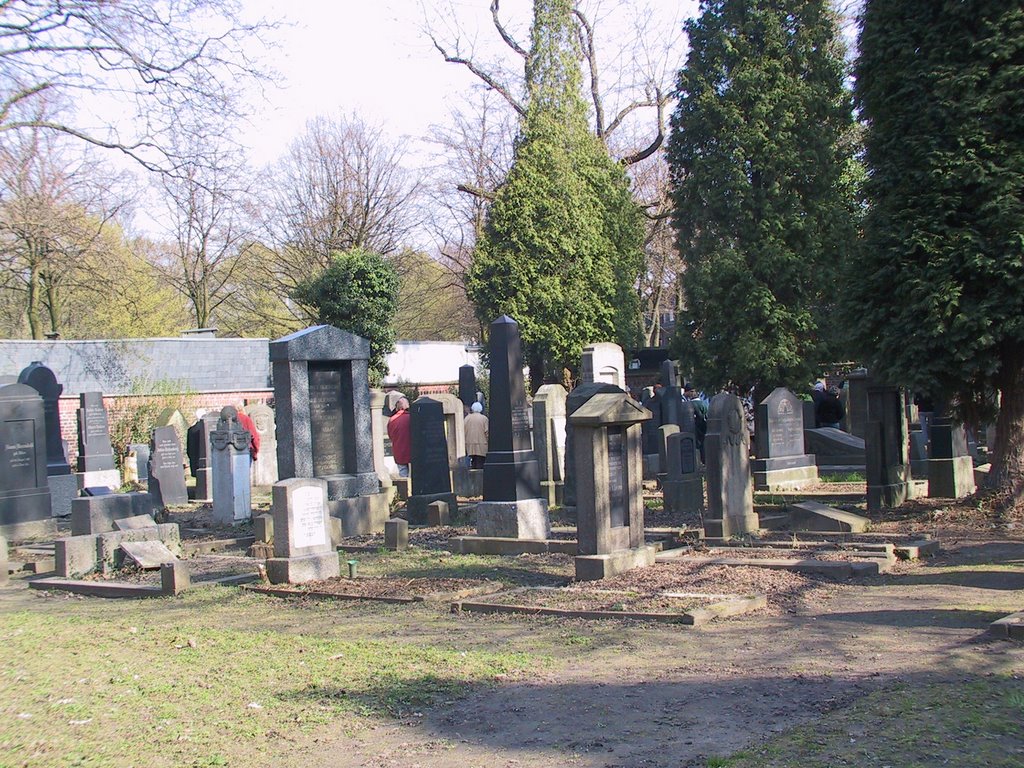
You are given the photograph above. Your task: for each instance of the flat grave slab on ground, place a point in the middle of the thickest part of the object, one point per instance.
(388, 590)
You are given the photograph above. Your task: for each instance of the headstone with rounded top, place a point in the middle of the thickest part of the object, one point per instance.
(166, 472)
(95, 456)
(302, 533)
(264, 469)
(781, 462)
(62, 483)
(24, 494)
(726, 452)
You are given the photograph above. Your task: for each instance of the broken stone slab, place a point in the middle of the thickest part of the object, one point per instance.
(148, 555)
(815, 516)
(134, 522)
(81, 554)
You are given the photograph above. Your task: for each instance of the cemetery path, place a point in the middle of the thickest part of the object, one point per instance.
(636, 695)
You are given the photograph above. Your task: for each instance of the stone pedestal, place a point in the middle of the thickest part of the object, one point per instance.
(950, 468)
(609, 509)
(63, 490)
(524, 519)
(396, 534)
(468, 482)
(302, 533)
(730, 491)
(232, 481)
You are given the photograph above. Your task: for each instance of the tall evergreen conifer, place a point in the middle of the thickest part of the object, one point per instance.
(936, 295)
(762, 162)
(562, 247)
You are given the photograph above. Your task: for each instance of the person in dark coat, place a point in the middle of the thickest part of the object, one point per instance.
(829, 411)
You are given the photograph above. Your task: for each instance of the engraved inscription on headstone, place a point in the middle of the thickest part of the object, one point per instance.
(19, 455)
(521, 419)
(617, 481)
(325, 416)
(687, 453)
(308, 526)
(785, 429)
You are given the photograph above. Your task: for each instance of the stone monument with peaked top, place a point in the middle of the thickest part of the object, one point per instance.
(62, 483)
(467, 386)
(232, 482)
(726, 452)
(512, 506)
(166, 472)
(24, 493)
(781, 463)
(322, 396)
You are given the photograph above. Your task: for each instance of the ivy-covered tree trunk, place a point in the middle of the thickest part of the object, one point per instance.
(1008, 461)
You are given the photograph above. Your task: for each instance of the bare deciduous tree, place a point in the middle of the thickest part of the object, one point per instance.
(161, 61)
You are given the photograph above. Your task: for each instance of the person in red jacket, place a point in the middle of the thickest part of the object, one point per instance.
(399, 432)
(254, 437)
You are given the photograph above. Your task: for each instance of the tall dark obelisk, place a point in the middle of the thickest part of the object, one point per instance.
(512, 506)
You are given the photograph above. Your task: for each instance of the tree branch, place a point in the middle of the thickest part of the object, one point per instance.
(509, 41)
(488, 79)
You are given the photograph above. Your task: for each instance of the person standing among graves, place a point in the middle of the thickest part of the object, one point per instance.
(401, 437)
(700, 416)
(475, 426)
(829, 411)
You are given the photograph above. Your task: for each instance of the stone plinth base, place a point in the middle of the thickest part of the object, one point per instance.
(652, 466)
(595, 567)
(888, 496)
(684, 496)
(950, 478)
(791, 479)
(416, 506)
(99, 478)
(297, 570)
(814, 516)
(468, 482)
(361, 514)
(350, 486)
(734, 525)
(30, 529)
(552, 492)
(63, 488)
(525, 519)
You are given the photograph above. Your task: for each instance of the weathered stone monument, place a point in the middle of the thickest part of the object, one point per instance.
(171, 417)
(950, 468)
(576, 399)
(431, 471)
(95, 456)
(454, 428)
(324, 429)
(604, 362)
(302, 533)
(609, 494)
(683, 486)
(886, 444)
(24, 494)
(264, 469)
(232, 483)
(199, 452)
(651, 400)
(672, 402)
(549, 440)
(62, 483)
(512, 506)
(166, 473)
(141, 451)
(730, 492)
(781, 462)
(664, 432)
(856, 405)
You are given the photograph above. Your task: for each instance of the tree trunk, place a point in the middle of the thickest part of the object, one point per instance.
(33, 304)
(1007, 473)
(53, 305)
(535, 361)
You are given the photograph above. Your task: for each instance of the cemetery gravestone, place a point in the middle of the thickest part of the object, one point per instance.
(24, 494)
(171, 417)
(886, 447)
(730, 492)
(454, 426)
(856, 406)
(512, 506)
(431, 472)
(604, 362)
(950, 468)
(166, 474)
(264, 469)
(324, 429)
(651, 400)
(95, 456)
(302, 533)
(781, 462)
(683, 487)
(141, 460)
(62, 483)
(549, 440)
(197, 448)
(232, 490)
(576, 399)
(609, 468)
(377, 401)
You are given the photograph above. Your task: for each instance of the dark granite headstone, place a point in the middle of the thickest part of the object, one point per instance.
(43, 381)
(887, 447)
(24, 493)
(652, 402)
(322, 399)
(166, 472)
(94, 451)
(198, 450)
(577, 399)
(430, 469)
(467, 386)
(510, 472)
(950, 468)
(781, 462)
